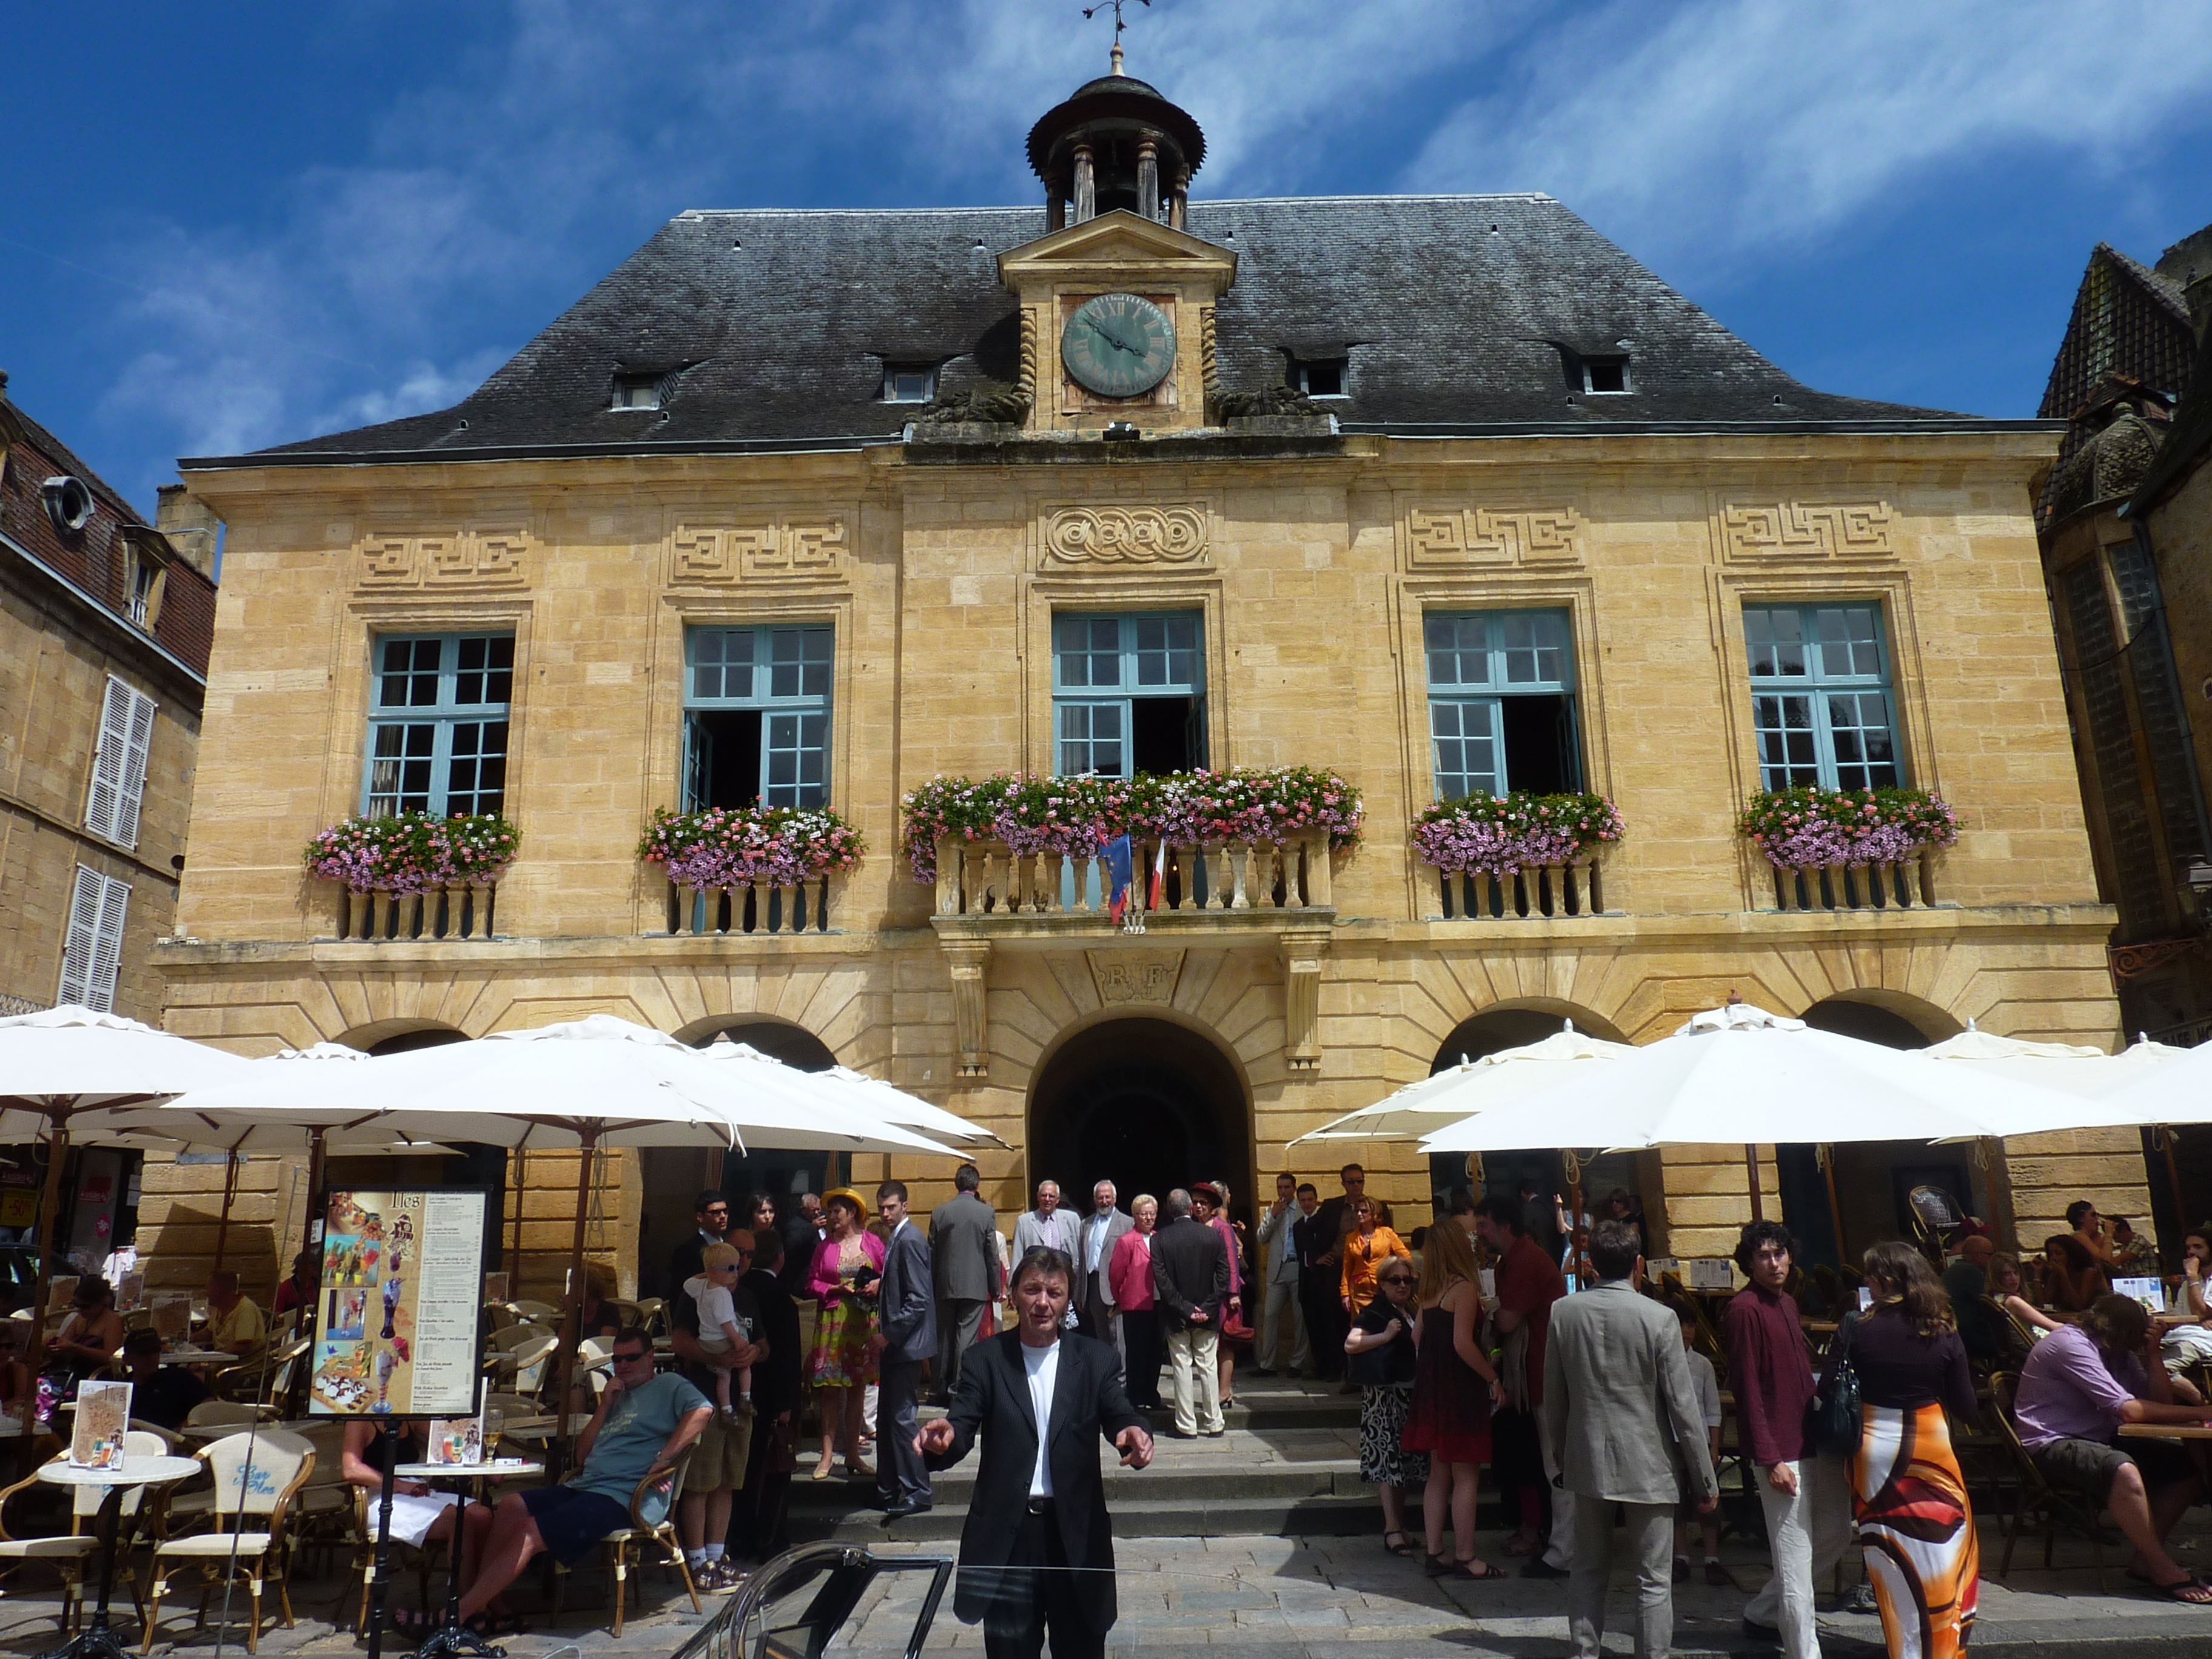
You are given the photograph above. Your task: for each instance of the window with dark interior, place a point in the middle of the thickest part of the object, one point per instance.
(1602, 374)
(909, 383)
(1318, 377)
(1128, 694)
(757, 717)
(1502, 702)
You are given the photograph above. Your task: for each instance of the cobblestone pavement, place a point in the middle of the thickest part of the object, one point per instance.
(1295, 1597)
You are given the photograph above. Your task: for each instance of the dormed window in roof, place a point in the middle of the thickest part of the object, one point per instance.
(638, 392)
(1600, 370)
(909, 383)
(1321, 377)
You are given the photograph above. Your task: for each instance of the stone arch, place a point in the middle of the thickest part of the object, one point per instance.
(400, 1036)
(1149, 1101)
(1510, 1024)
(780, 1039)
(1892, 1018)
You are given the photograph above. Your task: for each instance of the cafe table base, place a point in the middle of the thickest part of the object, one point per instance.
(96, 1640)
(454, 1638)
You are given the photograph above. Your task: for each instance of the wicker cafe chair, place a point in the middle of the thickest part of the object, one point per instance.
(644, 1503)
(69, 1555)
(2035, 1494)
(257, 1476)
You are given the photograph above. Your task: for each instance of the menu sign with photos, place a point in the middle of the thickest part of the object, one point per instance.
(103, 1415)
(397, 1325)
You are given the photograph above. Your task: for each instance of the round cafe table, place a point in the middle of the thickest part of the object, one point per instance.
(454, 1636)
(96, 1639)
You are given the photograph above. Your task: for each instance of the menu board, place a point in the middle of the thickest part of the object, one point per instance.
(103, 1413)
(397, 1327)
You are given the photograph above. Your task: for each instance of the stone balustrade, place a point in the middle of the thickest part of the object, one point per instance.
(753, 908)
(989, 877)
(1574, 888)
(1907, 884)
(465, 910)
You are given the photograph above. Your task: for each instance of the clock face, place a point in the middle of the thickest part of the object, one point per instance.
(1118, 345)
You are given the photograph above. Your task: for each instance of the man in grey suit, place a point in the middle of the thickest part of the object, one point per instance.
(964, 1256)
(1095, 1250)
(906, 1335)
(1624, 1425)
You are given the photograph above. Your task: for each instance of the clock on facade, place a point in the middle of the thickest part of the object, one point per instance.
(1118, 345)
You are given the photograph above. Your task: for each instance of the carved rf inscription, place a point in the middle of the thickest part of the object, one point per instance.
(1126, 535)
(702, 553)
(1476, 535)
(1135, 975)
(1819, 529)
(470, 558)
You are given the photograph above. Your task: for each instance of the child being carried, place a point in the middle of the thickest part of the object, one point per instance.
(718, 1329)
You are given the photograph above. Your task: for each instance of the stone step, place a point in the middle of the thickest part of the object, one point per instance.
(1316, 1516)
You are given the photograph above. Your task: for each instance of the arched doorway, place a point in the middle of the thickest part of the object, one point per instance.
(795, 1045)
(1146, 1104)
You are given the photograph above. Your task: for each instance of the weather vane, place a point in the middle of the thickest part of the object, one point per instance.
(1090, 12)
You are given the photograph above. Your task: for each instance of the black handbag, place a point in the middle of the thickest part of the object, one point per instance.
(1833, 1422)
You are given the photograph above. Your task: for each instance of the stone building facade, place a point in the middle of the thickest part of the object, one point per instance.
(1341, 422)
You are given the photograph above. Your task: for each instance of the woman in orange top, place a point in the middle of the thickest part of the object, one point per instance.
(1365, 1247)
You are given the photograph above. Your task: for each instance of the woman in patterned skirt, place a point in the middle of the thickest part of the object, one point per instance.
(1907, 1491)
(846, 1265)
(1380, 1346)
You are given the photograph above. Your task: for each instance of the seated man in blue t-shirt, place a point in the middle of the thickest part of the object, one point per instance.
(641, 1427)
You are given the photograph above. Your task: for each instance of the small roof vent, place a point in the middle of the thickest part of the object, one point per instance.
(68, 503)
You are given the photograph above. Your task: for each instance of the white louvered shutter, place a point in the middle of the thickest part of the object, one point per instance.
(107, 946)
(106, 791)
(83, 930)
(138, 746)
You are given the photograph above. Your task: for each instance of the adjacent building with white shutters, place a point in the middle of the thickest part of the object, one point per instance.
(104, 621)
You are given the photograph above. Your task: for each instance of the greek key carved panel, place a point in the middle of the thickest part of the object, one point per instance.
(1126, 535)
(1478, 535)
(718, 554)
(466, 559)
(1816, 530)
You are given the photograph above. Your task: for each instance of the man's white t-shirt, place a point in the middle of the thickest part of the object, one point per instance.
(1043, 1367)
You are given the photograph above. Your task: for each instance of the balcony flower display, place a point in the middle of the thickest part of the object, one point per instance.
(750, 846)
(413, 853)
(1806, 828)
(1065, 816)
(1501, 835)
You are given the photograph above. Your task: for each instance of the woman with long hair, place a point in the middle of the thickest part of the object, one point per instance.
(1908, 1493)
(1129, 1271)
(846, 1265)
(2072, 1278)
(2008, 1292)
(1366, 1247)
(1454, 1383)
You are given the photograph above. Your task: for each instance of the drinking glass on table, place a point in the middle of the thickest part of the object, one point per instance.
(494, 1421)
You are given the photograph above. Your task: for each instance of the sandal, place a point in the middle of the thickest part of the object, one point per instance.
(1436, 1566)
(2191, 1592)
(1404, 1546)
(1466, 1570)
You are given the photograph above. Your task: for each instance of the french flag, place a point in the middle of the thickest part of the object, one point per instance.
(1159, 877)
(1119, 856)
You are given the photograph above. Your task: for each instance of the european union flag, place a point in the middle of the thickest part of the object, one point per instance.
(1118, 868)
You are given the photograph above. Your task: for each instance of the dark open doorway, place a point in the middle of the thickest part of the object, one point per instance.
(1145, 1104)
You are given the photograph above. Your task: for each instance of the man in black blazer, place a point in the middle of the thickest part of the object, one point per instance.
(1038, 1394)
(1190, 1287)
(906, 1336)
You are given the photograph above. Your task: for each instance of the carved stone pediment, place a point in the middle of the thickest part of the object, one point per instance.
(1135, 975)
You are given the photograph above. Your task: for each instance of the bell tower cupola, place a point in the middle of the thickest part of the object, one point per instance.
(1116, 143)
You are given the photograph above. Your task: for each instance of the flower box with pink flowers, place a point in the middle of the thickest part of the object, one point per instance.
(1518, 855)
(409, 875)
(750, 869)
(1849, 849)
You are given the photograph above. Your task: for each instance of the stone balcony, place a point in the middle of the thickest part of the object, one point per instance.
(1908, 884)
(457, 912)
(1573, 888)
(751, 908)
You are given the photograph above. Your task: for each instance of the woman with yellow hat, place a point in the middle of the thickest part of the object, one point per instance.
(846, 1265)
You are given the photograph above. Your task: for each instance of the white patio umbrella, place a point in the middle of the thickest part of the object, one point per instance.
(1473, 1086)
(1741, 1076)
(2151, 1085)
(846, 1090)
(61, 1064)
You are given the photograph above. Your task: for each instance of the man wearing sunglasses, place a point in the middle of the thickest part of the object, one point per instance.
(643, 1425)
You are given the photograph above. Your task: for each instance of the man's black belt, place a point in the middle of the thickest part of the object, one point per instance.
(1040, 1506)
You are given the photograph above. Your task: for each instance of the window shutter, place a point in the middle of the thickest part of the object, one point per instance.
(138, 745)
(83, 930)
(107, 946)
(106, 792)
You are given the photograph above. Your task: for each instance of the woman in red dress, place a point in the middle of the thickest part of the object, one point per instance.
(1453, 1385)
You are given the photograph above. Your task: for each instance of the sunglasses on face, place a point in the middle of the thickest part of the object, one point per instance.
(1396, 1278)
(630, 1358)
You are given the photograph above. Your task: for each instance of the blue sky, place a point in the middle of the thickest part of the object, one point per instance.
(235, 226)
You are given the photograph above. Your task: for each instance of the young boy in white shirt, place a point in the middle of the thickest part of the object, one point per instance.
(1707, 1386)
(719, 1330)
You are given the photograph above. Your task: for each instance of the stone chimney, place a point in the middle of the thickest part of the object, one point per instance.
(190, 526)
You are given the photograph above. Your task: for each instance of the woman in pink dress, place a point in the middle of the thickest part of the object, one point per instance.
(846, 1265)
(1129, 1271)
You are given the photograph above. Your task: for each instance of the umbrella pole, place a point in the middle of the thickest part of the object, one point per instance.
(2173, 1175)
(49, 1232)
(572, 1322)
(1835, 1208)
(315, 1155)
(1750, 1170)
(229, 1192)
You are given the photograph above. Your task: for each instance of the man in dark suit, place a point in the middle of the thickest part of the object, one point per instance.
(711, 1213)
(963, 1236)
(1190, 1287)
(1094, 1295)
(1036, 1394)
(906, 1337)
(758, 1525)
(1311, 1238)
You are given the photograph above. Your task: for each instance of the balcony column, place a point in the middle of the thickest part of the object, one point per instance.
(971, 961)
(1302, 950)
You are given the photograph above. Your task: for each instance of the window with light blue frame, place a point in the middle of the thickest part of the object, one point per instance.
(1128, 693)
(1820, 698)
(1502, 701)
(438, 724)
(757, 716)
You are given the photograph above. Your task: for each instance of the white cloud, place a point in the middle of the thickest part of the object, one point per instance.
(1715, 133)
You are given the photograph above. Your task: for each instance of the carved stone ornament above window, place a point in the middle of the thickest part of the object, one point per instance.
(1479, 535)
(496, 559)
(767, 552)
(1808, 529)
(1126, 535)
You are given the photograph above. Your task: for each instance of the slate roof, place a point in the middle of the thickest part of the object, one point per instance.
(1454, 310)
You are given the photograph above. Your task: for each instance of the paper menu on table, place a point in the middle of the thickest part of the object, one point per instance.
(103, 1416)
(172, 1316)
(456, 1440)
(2151, 1292)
